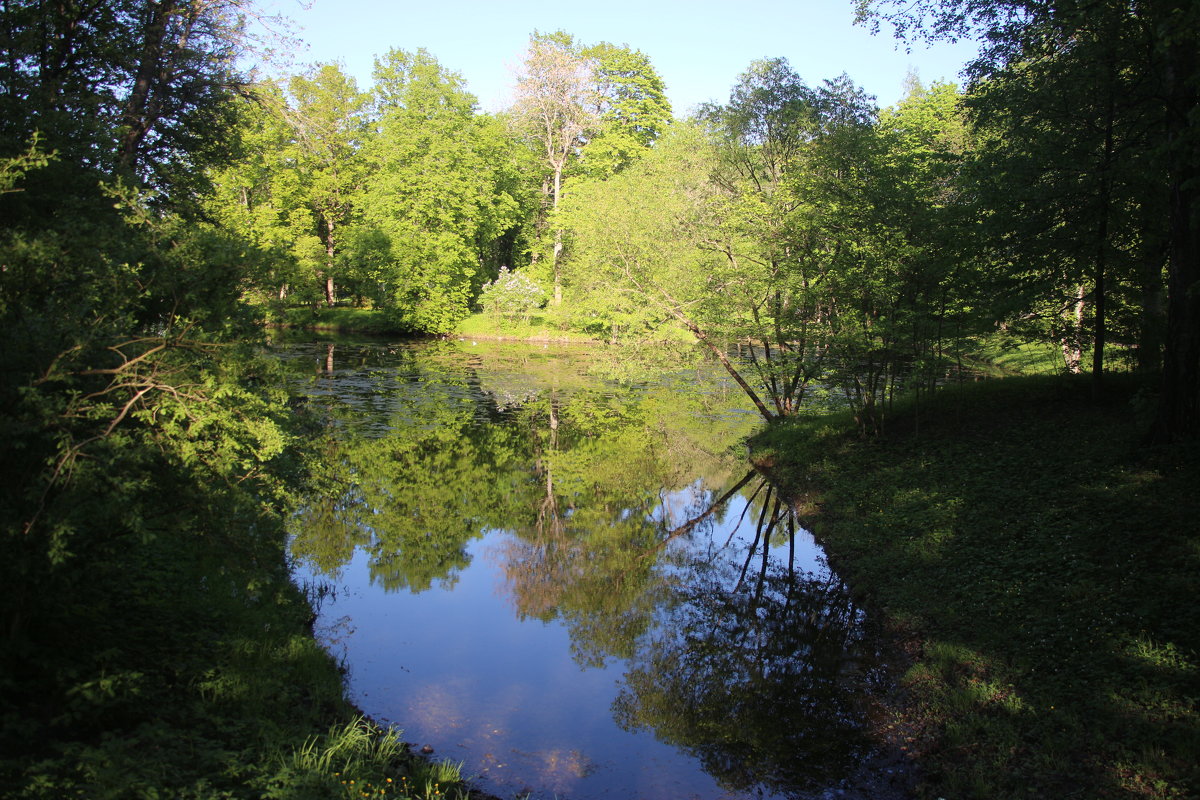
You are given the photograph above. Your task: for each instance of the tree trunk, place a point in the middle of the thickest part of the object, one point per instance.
(330, 251)
(1153, 312)
(1100, 271)
(138, 117)
(1072, 344)
(558, 245)
(1179, 405)
(702, 337)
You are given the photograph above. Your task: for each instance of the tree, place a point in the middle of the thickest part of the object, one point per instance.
(326, 112)
(555, 97)
(1131, 71)
(793, 222)
(261, 194)
(639, 234)
(763, 136)
(435, 192)
(131, 86)
(136, 439)
(631, 107)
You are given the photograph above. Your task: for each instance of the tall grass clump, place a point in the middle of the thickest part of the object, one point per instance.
(360, 759)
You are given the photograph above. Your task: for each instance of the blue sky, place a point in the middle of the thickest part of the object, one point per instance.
(698, 46)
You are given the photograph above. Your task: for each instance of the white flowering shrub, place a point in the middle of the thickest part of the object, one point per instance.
(512, 294)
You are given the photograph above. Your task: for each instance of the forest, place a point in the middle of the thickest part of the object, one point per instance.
(160, 204)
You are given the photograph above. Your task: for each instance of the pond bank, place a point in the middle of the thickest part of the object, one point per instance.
(174, 657)
(1037, 566)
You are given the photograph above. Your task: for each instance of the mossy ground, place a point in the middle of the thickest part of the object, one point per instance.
(1040, 566)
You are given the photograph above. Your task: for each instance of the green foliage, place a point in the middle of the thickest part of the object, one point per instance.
(406, 198)
(1087, 173)
(437, 193)
(633, 109)
(153, 644)
(793, 221)
(264, 197)
(357, 759)
(632, 237)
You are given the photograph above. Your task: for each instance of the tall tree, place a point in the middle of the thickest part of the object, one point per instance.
(555, 98)
(122, 419)
(434, 191)
(261, 194)
(1134, 73)
(631, 106)
(327, 113)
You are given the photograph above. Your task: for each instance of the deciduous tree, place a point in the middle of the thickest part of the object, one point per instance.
(554, 108)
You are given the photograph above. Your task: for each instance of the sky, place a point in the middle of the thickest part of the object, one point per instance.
(699, 47)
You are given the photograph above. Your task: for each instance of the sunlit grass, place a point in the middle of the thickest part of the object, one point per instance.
(538, 327)
(339, 319)
(1002, 355)
(360, 759)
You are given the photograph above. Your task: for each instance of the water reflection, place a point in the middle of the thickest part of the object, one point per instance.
(616, 513)
(752, 669)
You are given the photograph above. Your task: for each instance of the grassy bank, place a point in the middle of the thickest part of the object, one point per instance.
(153, 643)
(539, 327)
(339, 319)
(1039, 567)
(185, 668)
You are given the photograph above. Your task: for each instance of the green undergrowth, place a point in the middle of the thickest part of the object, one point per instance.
(182, 665)
(1039, 566)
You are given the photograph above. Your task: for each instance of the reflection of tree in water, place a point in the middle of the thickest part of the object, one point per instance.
(580, 557)
(751, 668)
(417, 459)
(735, 655)
(403, 469)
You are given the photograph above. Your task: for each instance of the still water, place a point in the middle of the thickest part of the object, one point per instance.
(557, 568)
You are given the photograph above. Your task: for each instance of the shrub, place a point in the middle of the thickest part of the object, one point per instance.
(512, 294)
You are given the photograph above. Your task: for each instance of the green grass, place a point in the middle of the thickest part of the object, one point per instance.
(999, 355)
(339, 319)
(540, 327)
(1039, 569)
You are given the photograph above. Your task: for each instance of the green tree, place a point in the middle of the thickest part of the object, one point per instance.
(436, 192)
(631, 106)
(1120, 112)
(261, 195)
(327, 114)
(638, 236)
(144, 457)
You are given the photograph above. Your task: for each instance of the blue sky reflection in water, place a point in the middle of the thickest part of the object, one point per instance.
(532, 577)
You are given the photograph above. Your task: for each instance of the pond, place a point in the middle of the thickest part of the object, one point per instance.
(557, 568)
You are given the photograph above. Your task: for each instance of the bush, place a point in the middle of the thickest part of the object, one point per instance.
(512, 294)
